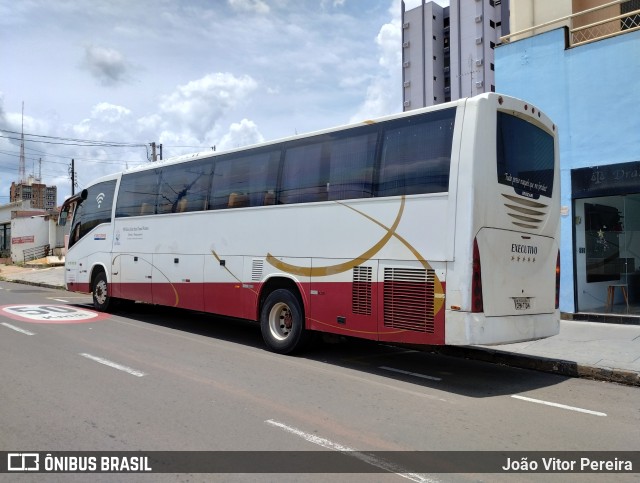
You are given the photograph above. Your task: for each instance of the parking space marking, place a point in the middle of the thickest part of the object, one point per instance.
(557, 405)
(409, 373)
(115, 365)
(17, 329)
(369, 459)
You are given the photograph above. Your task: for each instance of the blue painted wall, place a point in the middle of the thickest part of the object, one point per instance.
(592, 92)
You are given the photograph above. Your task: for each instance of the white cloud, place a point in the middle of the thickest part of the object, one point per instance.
(110, 112)
(334, 3)
(389, 39)
(199, 105)
(240, 134)
(107, 121)
(200, 67)
(257, 6)
(383, 93)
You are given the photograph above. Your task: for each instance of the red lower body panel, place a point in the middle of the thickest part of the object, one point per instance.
(330, 307)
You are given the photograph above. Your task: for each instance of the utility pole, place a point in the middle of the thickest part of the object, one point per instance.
(154, 155)
(73, 176)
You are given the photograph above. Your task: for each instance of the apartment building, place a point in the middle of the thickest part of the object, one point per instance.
(41, 196)
(448, 52)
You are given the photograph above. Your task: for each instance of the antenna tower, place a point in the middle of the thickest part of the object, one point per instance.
(21, 171)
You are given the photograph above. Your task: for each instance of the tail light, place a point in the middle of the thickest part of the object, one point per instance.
(558, 281)
(476, 281)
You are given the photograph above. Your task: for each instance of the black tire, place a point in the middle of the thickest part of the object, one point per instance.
(100, 291)
(282, 322)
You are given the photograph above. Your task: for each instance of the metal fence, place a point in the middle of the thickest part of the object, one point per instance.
(607, 20)
(36, 252)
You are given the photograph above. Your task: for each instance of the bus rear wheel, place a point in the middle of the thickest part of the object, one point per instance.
(282, 322)
(100, 291)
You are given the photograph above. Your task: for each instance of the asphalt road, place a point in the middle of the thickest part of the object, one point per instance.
(155, 379)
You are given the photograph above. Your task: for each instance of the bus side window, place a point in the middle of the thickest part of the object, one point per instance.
(304, 175)
(138, 193)
(351, 167)
(184, 187)
(416, 155)
(242, 180)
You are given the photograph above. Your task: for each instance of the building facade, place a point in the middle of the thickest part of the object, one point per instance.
(6, 214)
(448, 53)
(578, 61)
(591, 90)
(41, 196)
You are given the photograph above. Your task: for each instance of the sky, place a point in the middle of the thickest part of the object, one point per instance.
(188, 74)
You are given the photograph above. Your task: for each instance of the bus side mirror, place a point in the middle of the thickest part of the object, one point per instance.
(62, 218)
(74, 201)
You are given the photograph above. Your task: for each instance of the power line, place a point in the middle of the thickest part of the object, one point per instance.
(72, 141)
(46, 153)
(80, 143)
(102, 161)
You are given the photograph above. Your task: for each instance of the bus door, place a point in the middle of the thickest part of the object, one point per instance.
(135, 276)
(224, 291)
(177, 280)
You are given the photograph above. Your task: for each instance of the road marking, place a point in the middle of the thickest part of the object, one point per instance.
(61, 300)
(18, 329)
(408, 373)
(52, 314)
(115, 365)
(377, 462)
(561, 406)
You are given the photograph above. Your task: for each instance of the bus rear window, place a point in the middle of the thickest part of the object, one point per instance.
(525, 156)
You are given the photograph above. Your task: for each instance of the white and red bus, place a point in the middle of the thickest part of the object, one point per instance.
(434, 226)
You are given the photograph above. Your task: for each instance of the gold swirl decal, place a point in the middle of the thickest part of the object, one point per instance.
(439, 297)
(438, 301)
(340, 267)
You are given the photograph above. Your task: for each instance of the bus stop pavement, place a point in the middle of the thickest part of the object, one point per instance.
(594, 350)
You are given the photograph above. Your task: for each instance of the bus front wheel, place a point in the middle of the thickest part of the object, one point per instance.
(282, 322)
(101, 299)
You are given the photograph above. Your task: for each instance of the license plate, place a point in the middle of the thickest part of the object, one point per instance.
(522, 303)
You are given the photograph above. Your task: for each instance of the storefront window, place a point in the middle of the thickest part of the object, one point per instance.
(607, 237)
(5, 240)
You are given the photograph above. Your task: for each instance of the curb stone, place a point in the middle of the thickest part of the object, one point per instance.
(543, 364)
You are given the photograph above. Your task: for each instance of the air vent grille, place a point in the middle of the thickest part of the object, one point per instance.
(256, 269)
(408, 299)
(361, 290)
(526, 213)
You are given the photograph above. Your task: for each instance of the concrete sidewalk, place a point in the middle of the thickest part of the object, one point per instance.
(602, 351)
